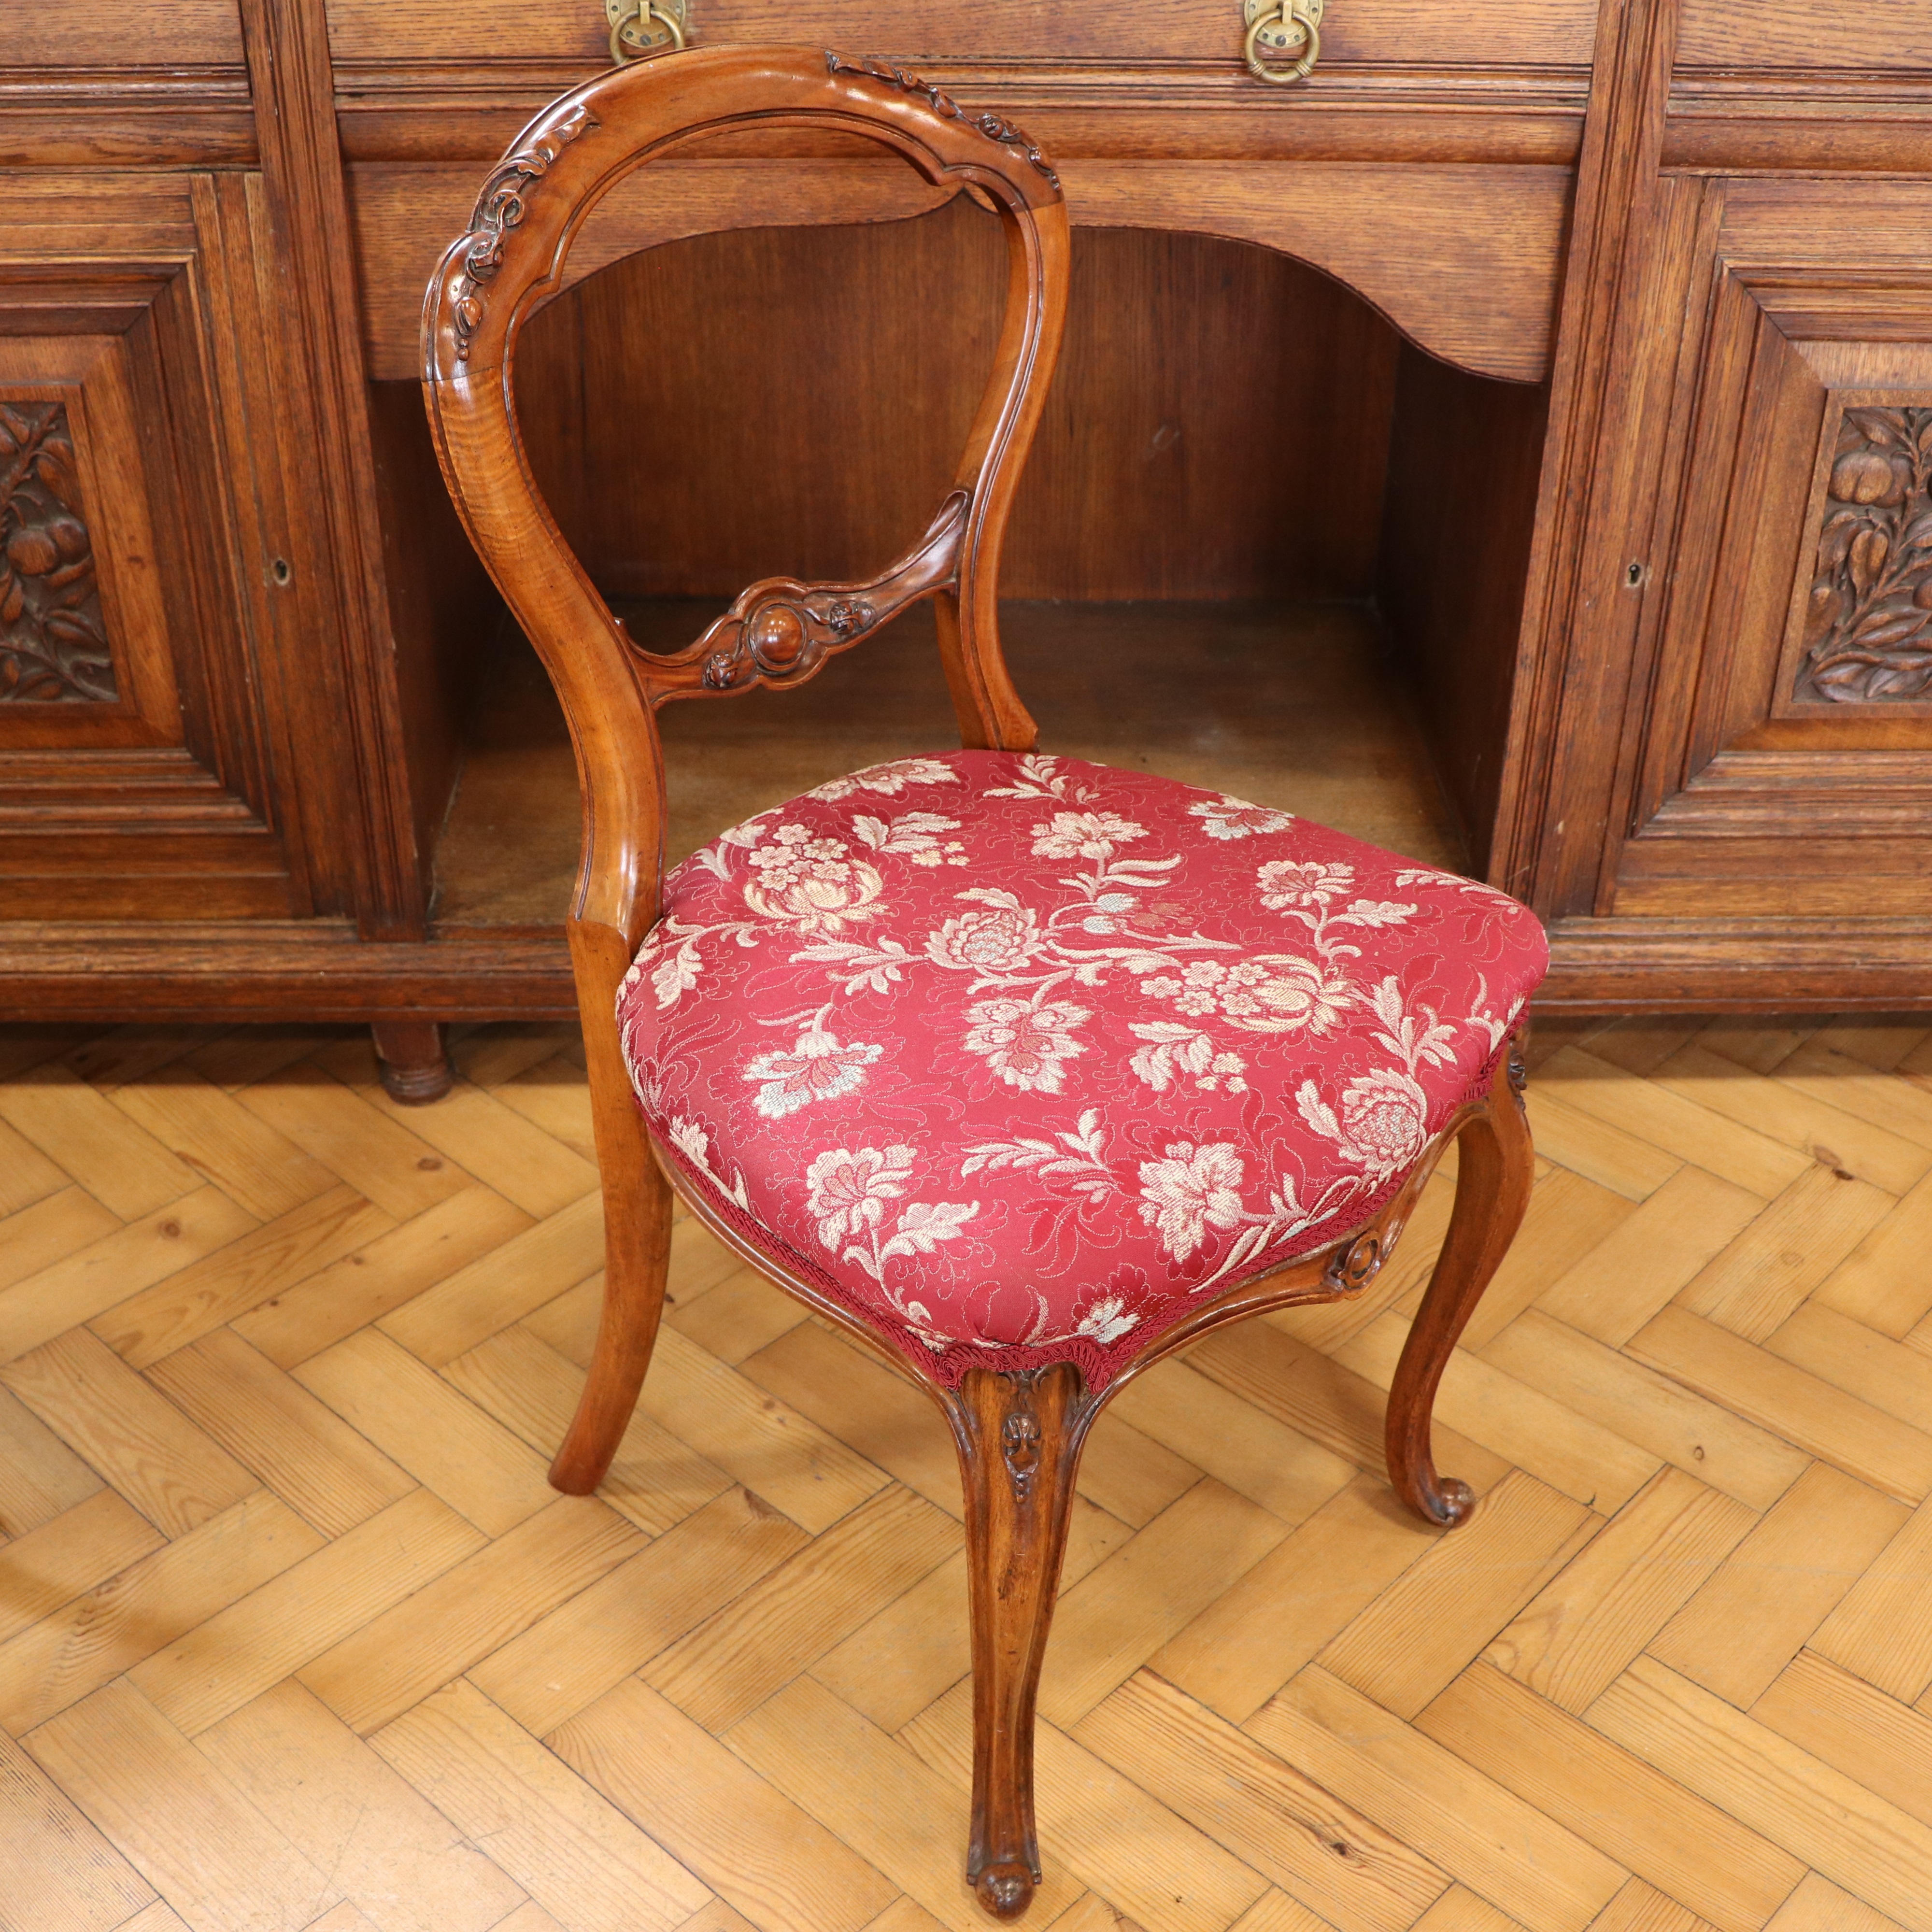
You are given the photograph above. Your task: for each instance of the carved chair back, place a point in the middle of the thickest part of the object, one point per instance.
(779, 632)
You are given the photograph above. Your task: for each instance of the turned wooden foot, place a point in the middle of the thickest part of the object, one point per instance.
(636, 1235)
(412, 1059)
(1495, 1167)
(1019, 1437)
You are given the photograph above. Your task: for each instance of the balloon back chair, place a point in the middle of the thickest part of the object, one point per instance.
(1024, 1071)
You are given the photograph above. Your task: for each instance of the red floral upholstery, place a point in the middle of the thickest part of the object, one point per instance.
(1020, 1054)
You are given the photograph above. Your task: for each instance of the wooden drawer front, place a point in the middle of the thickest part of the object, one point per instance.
(1474, 281)
(1399, 33)
(1800, 37)
(1788, 770)
(133, 770)
(165, 34)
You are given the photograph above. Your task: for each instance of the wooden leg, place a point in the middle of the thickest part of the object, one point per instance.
(637, 1243)
(1496, 1165)
(637, 1251)
(412, 1059)
(1019, 1437)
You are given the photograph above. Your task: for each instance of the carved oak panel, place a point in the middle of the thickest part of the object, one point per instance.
(1867, 621)
(53, 644)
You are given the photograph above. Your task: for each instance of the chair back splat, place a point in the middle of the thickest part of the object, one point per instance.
(1081, 1068)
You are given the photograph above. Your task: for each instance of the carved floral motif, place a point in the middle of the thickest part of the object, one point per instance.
(1868, 629)
(990, 125)
(52, 646)
(500, 208)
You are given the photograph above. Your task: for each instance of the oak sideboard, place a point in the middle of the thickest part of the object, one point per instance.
(1579, 356)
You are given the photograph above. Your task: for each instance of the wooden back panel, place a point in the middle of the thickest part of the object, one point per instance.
(780, 631)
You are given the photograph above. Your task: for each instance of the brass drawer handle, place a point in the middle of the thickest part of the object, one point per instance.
(1281, 27)
(639, 29)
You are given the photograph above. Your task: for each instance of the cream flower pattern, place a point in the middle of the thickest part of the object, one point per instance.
(1290, 882)
(1382, 1122)
(1106, 1319)
(846, 1192)
(1273, 993)
(1026, 1045)
(1192, 1189)
(997, 939)
(1083, 835)
(1380, 1126)
(1019, 1057)
(849, 1193)
(817, 1068)
(888, 780)
(814, 885)
(919, 836)
(1228, 818)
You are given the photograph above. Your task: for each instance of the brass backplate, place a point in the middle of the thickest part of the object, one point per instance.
(639, 29)
(1278, 36)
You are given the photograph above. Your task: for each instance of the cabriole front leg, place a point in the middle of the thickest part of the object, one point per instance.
(1496, 1167)
(1019, 1437)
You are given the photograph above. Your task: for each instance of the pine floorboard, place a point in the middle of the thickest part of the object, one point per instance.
(294, 1638)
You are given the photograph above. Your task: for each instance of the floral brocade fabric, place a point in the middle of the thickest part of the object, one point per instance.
(1021, 1058)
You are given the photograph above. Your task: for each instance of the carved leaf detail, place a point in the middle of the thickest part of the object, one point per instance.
(53, 648)
(991, 125)
(500, 208)
(1868, 630)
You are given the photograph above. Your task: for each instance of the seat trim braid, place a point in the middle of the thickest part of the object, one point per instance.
(1320, 1274)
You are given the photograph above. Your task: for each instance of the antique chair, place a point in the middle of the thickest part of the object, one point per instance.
(1024, 1072)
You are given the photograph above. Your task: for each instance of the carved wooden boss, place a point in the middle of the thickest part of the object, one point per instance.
(1019, 1434)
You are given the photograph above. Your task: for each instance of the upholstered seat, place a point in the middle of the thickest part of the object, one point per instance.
(1018, 1056)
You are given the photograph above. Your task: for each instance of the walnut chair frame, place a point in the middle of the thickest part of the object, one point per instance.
(1019, 1434)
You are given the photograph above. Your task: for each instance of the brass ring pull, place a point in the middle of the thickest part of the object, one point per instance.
(1290, 16)
(639, 18)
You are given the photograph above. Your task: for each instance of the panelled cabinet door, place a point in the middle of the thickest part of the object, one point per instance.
(1785, 767)
(135, 765)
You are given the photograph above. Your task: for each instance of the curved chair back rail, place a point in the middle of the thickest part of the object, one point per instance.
(779, 632)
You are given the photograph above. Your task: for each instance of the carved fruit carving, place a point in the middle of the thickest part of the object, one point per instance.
(52, 647)
(1868, 629)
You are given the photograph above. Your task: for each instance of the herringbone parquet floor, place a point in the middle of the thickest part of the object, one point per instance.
(293, 1633)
